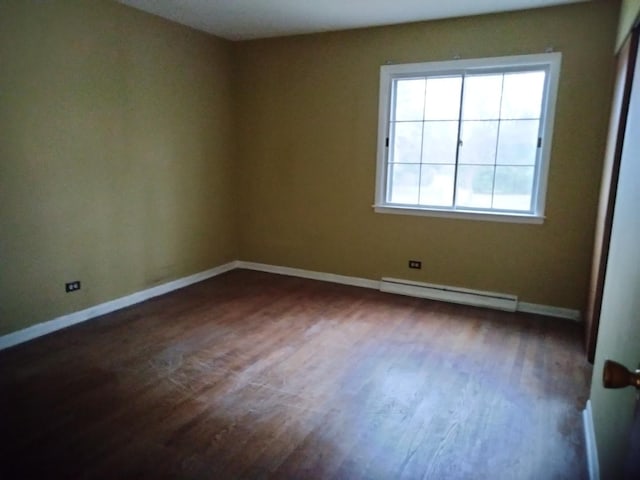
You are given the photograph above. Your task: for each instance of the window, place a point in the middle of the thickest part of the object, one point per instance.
(467, 138)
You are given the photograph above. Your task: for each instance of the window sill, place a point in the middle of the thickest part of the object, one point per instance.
(461, 214)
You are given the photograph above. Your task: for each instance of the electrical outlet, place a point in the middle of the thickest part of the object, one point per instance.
(72, 286)
(417, 264)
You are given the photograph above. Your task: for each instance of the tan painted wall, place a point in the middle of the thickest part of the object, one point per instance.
(115, 155)
(119, 164)
(629, 13)
(307, 117)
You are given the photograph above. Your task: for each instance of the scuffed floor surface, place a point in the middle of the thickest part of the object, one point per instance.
(253, 375)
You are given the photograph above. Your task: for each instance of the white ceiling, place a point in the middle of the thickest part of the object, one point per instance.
(247, 19)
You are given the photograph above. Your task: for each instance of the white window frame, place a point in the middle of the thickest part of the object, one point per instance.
(388, 73)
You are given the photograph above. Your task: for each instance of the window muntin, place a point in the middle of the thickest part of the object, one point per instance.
(467, 136)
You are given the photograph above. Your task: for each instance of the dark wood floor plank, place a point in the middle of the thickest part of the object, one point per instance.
(253, 375)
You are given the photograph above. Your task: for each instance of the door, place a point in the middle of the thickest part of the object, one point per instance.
(608, 190)
(619, 332)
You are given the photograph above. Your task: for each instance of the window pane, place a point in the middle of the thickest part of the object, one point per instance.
(474, 186)
(522, 95)
(443, 98)
(409, 99)
(482, 97)
(439, 142)
(463, 135)
(407, 142)
(436, 185)
(513, 188)
(479, 140)
(518, 144)
(403, 183)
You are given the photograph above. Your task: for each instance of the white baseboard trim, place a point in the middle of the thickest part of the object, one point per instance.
(64, 321)
(590, 443)
(310, 274)
(546, 310)
(549, 311)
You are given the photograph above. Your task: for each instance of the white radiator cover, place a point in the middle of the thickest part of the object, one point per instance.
(444, 293)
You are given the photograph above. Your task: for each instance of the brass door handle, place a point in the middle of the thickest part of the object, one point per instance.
(615, 375)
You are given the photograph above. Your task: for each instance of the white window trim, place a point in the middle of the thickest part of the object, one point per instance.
(550, 61)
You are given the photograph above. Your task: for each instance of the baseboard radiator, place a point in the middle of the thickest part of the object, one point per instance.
(477, 298)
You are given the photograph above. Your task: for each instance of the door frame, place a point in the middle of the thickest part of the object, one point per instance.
(608, 188)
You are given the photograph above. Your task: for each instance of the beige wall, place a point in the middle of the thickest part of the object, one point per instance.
(115, 155)
(629, 13)
(307, 117)
(135, 151)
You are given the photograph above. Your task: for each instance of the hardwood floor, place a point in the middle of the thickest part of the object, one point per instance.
(253, 375)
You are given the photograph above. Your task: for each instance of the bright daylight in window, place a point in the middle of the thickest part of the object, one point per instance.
(467, 138)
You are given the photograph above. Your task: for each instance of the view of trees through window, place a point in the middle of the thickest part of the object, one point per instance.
(465, 141)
